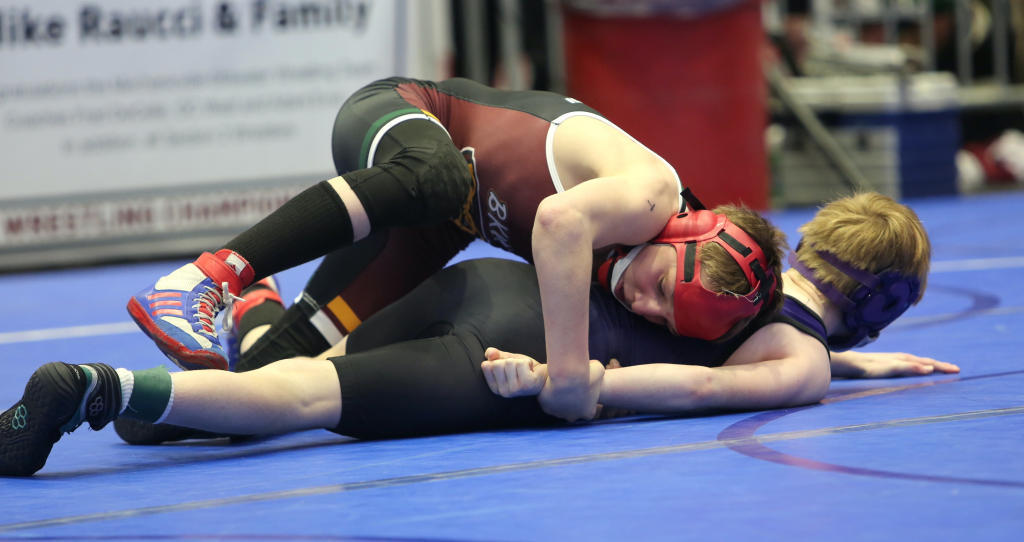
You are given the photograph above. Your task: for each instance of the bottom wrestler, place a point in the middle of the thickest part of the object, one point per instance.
(417, 367)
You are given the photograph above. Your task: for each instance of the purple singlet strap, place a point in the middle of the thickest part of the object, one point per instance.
(833, 294)
(859, 275)
(799, 316)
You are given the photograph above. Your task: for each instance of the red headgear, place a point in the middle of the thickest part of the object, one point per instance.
(699, 312)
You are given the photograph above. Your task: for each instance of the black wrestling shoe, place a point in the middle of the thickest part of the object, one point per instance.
(52, 405)
(148, 434)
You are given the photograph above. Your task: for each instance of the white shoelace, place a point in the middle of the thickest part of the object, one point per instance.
(215, 300)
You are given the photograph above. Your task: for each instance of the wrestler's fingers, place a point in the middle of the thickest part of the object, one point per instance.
(944, 367)
(540, 371)
(924, 366)
(939, 365)
(530, 379)
(500, 377)
(512, 377)
(500, 354)
(488, 369)
(905, 368)
(917, 368)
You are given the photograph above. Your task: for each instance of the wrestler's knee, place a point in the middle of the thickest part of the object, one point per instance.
(425, 182)
(443, 183)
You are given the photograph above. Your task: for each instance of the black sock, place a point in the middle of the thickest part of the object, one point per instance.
(292, 335)
(264, 314)
(308, 226)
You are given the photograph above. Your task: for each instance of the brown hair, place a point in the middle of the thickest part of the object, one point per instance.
(871, 232)
(721, 273)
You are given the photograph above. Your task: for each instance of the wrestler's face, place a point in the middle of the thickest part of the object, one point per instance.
(648, 284)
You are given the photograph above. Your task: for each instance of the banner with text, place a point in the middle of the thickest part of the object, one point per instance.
(173, 99)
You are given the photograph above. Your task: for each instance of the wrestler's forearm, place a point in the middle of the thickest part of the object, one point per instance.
(657, 388)
(666, 388)
(562, 254)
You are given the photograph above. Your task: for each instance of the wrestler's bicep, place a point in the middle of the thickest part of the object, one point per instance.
(622, 210)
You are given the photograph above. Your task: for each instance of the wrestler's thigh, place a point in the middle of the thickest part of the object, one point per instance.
(425, 387)
(361, 116)
(496, 300)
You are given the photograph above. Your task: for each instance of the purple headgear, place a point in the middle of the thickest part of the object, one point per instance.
(877, 302)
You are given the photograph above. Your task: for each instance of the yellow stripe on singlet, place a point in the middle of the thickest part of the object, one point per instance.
(431, 115)
(344, 314)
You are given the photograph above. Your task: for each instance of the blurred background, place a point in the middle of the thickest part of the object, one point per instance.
(134, 129)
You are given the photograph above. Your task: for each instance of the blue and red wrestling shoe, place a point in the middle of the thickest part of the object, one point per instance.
(263, 291)
(178, 312)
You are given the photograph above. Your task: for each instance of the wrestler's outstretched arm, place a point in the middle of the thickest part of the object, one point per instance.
(777, 367)
(665, 388)
(669, 388)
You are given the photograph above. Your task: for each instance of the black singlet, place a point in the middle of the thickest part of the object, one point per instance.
(617, 333)
(414, 367)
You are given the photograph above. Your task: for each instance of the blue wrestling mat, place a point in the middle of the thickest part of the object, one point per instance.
(927, 458)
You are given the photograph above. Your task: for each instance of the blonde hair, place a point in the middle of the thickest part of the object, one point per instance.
(871, 232)
(720, 272)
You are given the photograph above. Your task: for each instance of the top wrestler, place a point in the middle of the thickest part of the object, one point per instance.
(424, 168)
(416, 367)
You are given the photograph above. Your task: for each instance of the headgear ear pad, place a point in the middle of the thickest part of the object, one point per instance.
(699, 312)
(875, 303)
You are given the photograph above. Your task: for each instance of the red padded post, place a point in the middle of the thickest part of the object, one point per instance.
(692, 90)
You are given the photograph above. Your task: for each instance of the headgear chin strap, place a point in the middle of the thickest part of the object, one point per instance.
(699, 312)
(875, 303)
(615, 266)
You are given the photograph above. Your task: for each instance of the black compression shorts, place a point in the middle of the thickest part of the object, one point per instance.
(414, 367)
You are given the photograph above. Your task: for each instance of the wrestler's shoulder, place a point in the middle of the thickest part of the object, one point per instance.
(778, 340)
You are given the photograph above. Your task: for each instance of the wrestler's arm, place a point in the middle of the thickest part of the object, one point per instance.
(852, 364)
(774, 370)
(569, 226)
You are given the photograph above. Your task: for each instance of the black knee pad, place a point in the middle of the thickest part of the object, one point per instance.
(420, 178)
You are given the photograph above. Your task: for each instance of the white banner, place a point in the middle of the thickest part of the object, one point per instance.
(139, 216)
(176, 98)
(121, 94)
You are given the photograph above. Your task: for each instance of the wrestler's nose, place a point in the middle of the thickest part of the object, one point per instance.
(644, 305)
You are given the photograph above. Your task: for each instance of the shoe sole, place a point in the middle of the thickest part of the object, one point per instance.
(147, 434)
(187, 360)
(50, 400)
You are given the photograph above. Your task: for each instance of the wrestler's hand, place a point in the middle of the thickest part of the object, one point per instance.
(886, 365)
(513, 375)
(573, 403)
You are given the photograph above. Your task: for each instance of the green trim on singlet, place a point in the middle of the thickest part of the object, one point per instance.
(372, 132)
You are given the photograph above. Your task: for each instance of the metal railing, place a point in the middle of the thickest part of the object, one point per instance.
(854, 15)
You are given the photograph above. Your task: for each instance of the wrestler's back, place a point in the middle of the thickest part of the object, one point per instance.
(525, 146)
